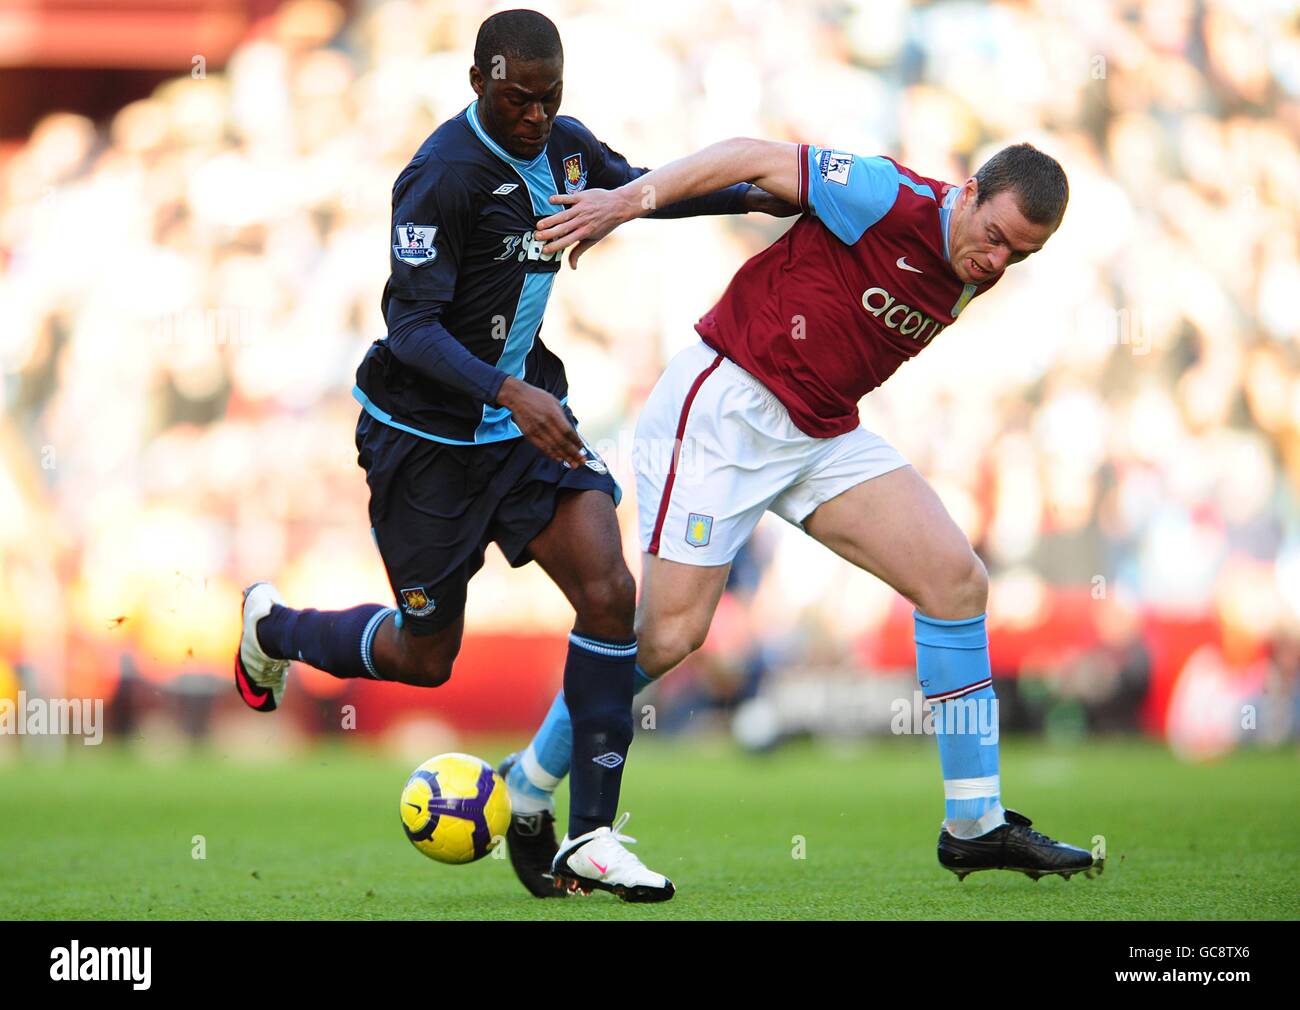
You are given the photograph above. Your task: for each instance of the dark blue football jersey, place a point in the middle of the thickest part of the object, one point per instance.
(464, 212)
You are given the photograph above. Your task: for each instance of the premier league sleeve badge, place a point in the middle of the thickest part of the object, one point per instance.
(414, 245)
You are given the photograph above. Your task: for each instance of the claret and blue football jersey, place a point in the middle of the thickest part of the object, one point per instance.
(858, 285)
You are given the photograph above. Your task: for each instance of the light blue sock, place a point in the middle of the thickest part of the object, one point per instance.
(952, 667)
(544, 763)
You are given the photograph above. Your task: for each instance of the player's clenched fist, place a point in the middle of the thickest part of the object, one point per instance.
(542, 419)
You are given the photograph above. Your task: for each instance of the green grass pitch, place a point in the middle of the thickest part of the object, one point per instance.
(109, 835)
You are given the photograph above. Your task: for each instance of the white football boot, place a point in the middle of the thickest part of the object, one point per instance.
(598, 860)
(259, 678)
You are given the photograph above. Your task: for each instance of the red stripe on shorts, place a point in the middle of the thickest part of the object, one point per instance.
(677, 452)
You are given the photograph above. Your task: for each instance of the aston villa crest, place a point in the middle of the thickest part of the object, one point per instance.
(699, 529)
(967, 293)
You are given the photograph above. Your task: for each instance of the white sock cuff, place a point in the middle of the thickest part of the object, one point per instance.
(535, 773)
(970, 789)
(368, 638)
(623, 651)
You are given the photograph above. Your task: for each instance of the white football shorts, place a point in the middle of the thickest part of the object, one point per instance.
(740, 456)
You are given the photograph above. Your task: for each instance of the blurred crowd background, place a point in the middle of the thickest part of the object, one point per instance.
(188, 283)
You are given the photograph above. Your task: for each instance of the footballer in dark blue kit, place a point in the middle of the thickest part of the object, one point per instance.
(467, 439)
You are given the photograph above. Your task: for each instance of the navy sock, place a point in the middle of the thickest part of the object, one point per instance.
(598, 689)
(544, 763)
(336, 641)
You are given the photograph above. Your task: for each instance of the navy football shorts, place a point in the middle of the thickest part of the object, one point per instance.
(434, 508)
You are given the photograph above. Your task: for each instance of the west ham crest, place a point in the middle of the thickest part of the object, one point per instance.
(575, 173)
(417, 602)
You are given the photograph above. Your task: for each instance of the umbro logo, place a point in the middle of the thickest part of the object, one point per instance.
(902, 264)
(609, 759)
(505, 188)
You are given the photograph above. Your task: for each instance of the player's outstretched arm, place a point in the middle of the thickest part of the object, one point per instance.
(592, 214)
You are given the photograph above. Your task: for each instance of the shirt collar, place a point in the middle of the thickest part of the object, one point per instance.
(471, 113)
(945, 215)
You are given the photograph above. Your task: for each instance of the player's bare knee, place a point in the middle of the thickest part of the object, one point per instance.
(683, 645)
(426, 671)
(657, 659)
(426, 661)
(970, 585)
(977, 585)
(606, 605)
(667, 642)
(437, 673)
(958, 589)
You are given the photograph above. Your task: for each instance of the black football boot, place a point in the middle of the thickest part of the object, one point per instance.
(532, 845)
(1017, 847)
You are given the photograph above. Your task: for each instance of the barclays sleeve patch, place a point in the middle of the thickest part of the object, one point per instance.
(414, 245)
(835, 166)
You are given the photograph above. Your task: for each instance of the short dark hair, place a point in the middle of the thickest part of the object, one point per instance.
(1036, 179)
(516, 35)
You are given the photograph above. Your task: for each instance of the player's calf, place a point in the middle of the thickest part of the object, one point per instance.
(364, 641)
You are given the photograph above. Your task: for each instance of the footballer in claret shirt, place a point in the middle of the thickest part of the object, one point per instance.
(765, 403)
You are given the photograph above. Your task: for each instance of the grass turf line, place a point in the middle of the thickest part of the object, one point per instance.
(109, 835)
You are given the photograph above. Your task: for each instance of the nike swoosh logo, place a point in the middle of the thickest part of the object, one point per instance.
(596, 864)
(252, 694)
(902, 264)
(418, 809)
